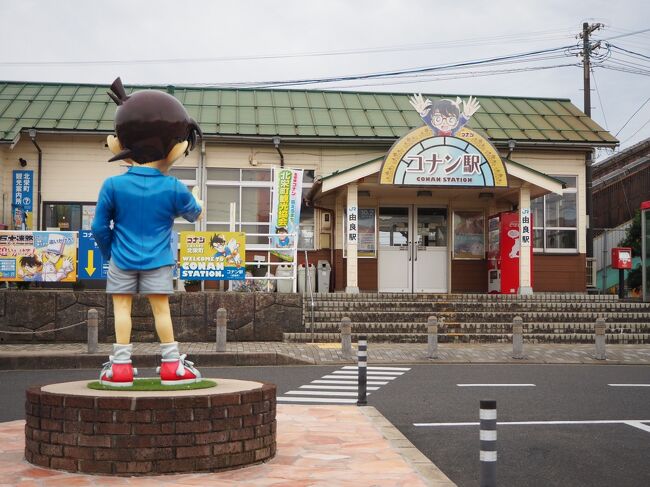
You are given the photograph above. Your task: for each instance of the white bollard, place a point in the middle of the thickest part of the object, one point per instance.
(93, 330)
(346, 337)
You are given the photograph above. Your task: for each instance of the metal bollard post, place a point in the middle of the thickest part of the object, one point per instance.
(362, 372)
(517, 338)
(222, 329)
(432, 337)
(346, 337)
(93, 330)
(600, 339)
(488, 437)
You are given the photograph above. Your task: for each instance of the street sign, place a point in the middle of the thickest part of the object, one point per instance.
(91, 262)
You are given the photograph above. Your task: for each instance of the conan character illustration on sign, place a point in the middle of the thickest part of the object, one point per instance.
(444, 117)
(444, 152)
(134, 219)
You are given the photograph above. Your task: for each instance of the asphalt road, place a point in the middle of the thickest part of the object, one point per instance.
(531, 455)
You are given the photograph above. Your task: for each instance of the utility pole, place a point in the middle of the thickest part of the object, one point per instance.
(586, 51)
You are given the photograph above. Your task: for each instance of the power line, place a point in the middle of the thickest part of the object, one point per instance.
(600, 100)
(479, 41)
(632, 116)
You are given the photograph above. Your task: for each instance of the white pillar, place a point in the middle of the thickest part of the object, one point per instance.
(352, 284)
(525, 268)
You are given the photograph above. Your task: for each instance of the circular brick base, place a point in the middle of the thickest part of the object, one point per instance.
(70, 427)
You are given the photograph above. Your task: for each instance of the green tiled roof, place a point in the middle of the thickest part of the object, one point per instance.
(293, 113)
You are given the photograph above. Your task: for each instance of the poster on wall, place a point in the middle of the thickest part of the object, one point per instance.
(367, 239)
(38, 256)
(285, 212)
(468, 235)
(21, 202)
(212, 256)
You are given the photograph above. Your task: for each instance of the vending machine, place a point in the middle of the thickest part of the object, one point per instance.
(504, 246)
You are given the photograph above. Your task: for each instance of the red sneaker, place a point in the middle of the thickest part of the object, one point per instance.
(117, 375)
(118, 371)
(178, 371)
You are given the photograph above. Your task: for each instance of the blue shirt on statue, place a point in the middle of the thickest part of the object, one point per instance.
(142, 204)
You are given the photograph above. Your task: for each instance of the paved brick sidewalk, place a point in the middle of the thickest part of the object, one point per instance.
(261, 353)
(317, 446)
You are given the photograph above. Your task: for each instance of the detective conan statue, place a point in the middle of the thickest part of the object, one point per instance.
(153, 130)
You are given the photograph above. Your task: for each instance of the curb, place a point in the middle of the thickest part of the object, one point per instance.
(94, 361)
(428, 470)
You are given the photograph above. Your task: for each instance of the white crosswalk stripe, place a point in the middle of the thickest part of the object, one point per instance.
(340, 386)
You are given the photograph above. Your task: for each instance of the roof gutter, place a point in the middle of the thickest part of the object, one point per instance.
(378, 141)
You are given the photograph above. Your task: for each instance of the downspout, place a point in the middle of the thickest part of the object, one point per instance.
(309, 201)
(32, 135)
(276, 143)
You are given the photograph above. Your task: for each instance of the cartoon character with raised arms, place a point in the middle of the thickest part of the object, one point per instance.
(444, 117)
(153, 130)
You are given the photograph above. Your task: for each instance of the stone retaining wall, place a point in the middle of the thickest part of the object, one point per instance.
(150, 435)
(251, 316)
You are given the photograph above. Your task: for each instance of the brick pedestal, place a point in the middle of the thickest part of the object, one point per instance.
(70, 427)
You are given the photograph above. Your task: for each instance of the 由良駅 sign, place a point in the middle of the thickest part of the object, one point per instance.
(444, 152)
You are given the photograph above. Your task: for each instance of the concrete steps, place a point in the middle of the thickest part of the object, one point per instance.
(491, 327)
(402, 318)
(612, 338)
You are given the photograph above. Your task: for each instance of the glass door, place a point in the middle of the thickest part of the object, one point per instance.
(395, 251)
(430, 250)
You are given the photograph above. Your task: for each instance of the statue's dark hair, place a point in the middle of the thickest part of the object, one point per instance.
(150, 123)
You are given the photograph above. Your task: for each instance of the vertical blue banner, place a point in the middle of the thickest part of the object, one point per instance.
(91, 262)
(22, 199)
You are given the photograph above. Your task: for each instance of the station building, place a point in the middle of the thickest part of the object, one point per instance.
(416, 232)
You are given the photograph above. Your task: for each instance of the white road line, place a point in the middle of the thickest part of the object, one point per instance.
(354, 367)
(638, 424)
(342, 388)
(317, 399)
(495, 385)
(353, 378)
(323, 393)
(379, 375)
(350, 382)
(526, 423)
(629, 385)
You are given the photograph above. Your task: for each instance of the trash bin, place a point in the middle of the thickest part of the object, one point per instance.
(284, 285)
(324, 270)
(302, 284)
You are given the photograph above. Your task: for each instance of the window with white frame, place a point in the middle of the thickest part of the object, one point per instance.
(250, 190)
(187, 176)
(555, 219)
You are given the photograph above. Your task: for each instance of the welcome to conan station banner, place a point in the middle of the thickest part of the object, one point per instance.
(38, 256)
(212, 256)
(285, 213)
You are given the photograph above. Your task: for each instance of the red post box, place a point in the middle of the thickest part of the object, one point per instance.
(621, 258)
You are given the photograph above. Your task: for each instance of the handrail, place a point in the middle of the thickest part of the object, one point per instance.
(311, 296)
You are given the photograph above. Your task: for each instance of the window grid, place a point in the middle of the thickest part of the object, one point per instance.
(541, 214)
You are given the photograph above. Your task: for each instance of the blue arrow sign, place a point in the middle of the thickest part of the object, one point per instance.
(91, 262)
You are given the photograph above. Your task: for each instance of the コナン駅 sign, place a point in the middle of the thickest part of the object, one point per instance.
(444, 152)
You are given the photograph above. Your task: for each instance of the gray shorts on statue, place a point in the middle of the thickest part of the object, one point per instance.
(153, 281)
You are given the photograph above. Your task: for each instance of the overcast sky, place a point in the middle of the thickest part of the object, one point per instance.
(246, 40)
